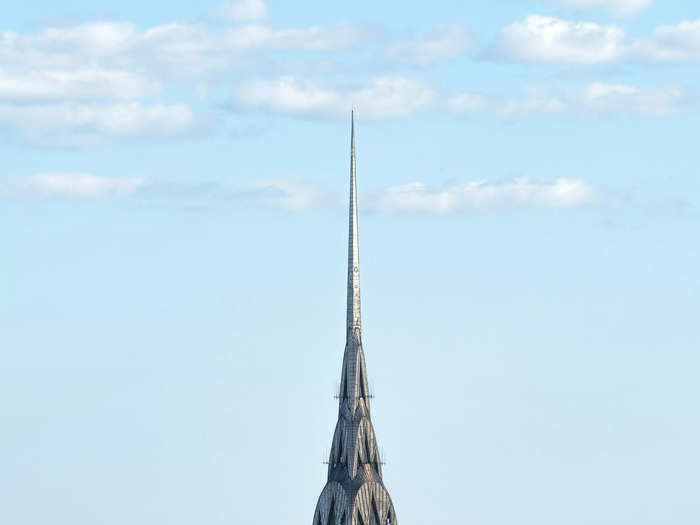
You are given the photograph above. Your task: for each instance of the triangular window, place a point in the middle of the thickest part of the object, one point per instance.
(375, 513)
(362, 382)
(340, 447)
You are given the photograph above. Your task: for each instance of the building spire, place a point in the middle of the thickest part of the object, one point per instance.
(354, 322)
(355, 493)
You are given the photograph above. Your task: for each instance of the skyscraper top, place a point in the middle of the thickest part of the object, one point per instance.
(355, 493)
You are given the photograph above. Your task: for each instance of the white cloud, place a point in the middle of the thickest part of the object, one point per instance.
(297, 196)
(533, 102)
(288, 95)
(393, 97)
(92, 83)
(444, 43)
(530, 104)
(287, 195)
(611, 98)
(84, 185)
(77, 125)
(315, 38)
(467, 103)
(484, 196)
(596, 98)
(533, 105)
(71, 185)
(549, 39)
(679, 43)
(244, 10)
(417, 197)
(94, 38)
(175, 49)
(617, 7)
(546, 39)
(384, 97)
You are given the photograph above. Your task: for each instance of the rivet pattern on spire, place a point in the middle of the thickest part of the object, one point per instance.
(353, 309)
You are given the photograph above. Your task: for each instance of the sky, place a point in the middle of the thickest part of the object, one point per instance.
(173, 192)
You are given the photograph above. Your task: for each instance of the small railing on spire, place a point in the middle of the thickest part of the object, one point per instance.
(338, 394)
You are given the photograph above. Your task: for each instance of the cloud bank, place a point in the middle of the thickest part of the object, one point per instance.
(547, 39)
(383, 97)
(596, 98)
(103, 82)
(74, 125)
(481, 196)
(484, 196)
(89, 84)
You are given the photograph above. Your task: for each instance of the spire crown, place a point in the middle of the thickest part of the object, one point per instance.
(355, 490)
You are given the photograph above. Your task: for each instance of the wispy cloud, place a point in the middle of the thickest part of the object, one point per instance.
(617, 7)
(85, 84)
(443, 43)
(86, 124)
(384, 97)
(297, 195)
(596, 98)
(288, 195)
(670, 43)
(420, 198)
(244, 10)
(535, 102)
(90, 83)
(174, 49)
(606, 98)
(484, 196)
(294, 195)
(546, 39)
(70, 185)
(481, 196)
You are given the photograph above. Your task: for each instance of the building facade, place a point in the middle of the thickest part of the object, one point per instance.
(355, 493)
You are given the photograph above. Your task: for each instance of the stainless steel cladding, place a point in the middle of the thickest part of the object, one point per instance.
(355, 493)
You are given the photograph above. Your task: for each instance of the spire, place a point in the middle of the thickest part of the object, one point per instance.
(355, 490)
(353, 313)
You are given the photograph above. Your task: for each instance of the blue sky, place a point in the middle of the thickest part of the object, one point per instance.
(172, 204)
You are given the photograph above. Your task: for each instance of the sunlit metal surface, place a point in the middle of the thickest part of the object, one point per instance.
(355, 493)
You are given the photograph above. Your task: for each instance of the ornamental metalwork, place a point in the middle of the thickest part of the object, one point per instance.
(355, 493)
